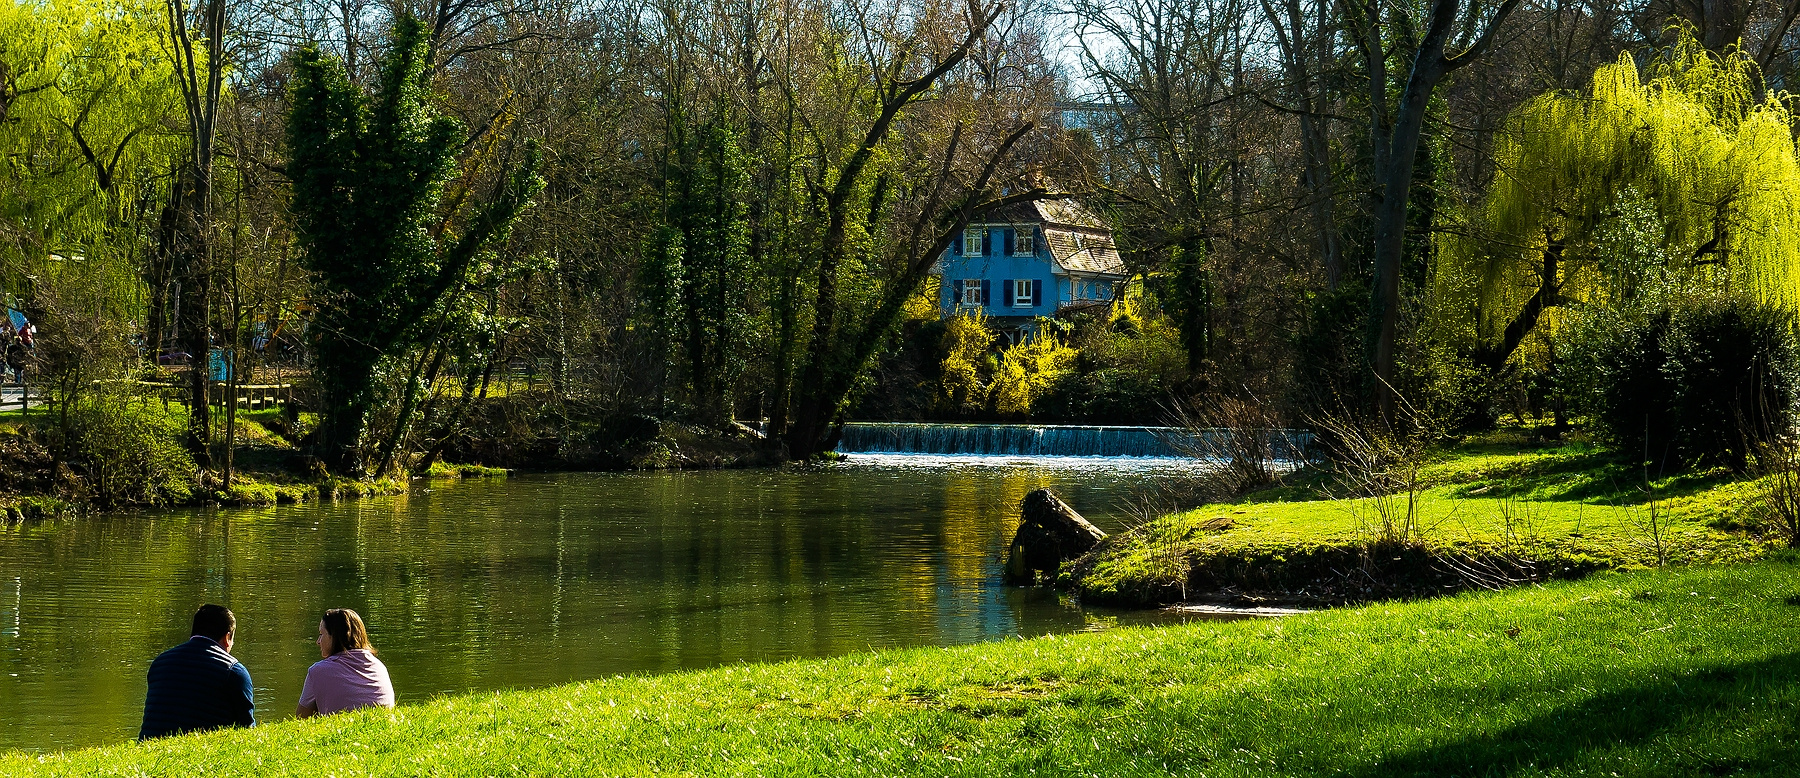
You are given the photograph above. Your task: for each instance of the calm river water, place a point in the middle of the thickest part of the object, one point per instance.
(534, 580)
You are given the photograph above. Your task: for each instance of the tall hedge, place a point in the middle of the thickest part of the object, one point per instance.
(1688, 382)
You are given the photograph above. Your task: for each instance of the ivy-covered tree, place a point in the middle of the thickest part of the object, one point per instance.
(370, 172)
(699, 267)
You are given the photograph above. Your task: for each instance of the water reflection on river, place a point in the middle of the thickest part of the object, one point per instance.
(535, 580)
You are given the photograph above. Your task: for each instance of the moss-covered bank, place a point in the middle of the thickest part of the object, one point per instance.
(1671, 672)
(135, 459)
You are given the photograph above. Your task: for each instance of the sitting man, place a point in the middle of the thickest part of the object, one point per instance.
(198, 685)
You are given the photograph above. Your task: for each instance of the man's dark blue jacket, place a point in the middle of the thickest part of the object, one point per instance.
(197, 686)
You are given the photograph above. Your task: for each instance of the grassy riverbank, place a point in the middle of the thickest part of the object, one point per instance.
(1495, 511)
(1678, 671)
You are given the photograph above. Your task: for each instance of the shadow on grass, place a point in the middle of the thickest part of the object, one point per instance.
(1598, 477)
(1731, 719)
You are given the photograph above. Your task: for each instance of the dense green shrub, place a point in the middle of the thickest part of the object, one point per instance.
(130, 452)
(1130, 366)
(1690, 381)
(1106, 395)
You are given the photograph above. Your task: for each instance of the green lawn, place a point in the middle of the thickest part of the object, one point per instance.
(1678, 671)
(1536, 512)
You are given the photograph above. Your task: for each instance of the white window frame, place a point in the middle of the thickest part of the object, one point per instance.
(972, 240)
(970, 293)
(1022, 289)
(1025, 241)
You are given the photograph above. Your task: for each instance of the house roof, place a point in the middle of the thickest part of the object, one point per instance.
(1066, 214)
(1084, 252)
(1078, 239)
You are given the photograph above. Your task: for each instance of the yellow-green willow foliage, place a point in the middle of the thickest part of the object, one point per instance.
(87, 137)
(1675, 173)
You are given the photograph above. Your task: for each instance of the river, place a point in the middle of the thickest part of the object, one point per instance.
(538, 579)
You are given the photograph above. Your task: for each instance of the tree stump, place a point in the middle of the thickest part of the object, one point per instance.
(1050, 532)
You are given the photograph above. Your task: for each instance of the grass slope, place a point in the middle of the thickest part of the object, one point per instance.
(1678, 671)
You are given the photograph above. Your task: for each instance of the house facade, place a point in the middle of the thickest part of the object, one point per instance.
(1030, 260)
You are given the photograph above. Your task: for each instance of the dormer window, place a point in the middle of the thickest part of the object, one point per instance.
(1025, 244)
(972, 240)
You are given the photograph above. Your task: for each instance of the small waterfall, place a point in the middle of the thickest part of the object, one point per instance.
(1031, 440)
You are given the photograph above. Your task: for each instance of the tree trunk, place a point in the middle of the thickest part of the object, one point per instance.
(1194, 296)
(1494, 358)
(347, 401)
(1394, 169)
(394, 448)
(196, 312)
(1050, 533)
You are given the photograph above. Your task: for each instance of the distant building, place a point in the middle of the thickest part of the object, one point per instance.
(1030, 260)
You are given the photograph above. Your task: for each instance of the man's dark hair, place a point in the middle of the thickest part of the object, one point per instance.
(214, 621)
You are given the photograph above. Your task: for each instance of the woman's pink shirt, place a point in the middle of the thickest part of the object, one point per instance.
(347, 680)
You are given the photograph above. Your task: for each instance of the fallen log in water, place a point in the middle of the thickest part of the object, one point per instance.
(1050, 532)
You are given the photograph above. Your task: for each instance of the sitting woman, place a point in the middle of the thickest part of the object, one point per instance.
(349, 676)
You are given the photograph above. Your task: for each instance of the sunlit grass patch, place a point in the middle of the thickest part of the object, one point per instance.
(1537, 511)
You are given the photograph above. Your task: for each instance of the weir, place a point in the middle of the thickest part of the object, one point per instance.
(1039, 440)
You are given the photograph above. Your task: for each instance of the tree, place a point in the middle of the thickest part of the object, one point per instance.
(1675, 172)
(1394, 140)
(370, 173)
(1303, 36)
(1167, 67)
(706, 257)
(188, 214)
(85, 95)
(943, 198)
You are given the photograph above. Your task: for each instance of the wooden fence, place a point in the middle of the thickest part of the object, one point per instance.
(14, 396)
(251, 396)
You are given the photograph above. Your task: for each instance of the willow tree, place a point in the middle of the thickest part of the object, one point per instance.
(1682, 171)
(86, 96)
(85, 93)
(370, 173)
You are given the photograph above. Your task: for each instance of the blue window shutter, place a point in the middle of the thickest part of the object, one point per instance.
(1037, 294)
(1010, 242)
(984, 286)
(987, 242)
(1006, 293)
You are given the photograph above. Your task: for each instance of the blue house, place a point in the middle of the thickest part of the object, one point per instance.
(1030, 260)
